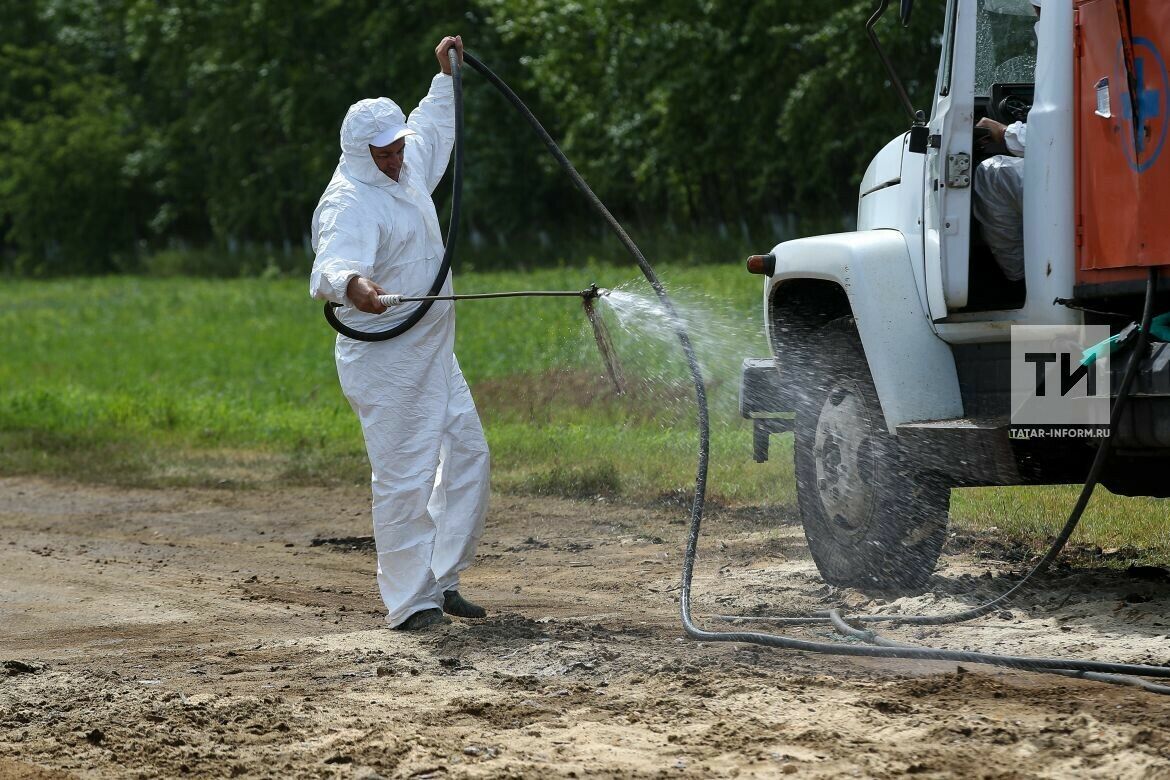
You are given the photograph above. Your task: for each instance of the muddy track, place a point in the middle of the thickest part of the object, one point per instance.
(150, 633)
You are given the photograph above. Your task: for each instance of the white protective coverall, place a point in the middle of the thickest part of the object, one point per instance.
(427, 452)
(999, 202)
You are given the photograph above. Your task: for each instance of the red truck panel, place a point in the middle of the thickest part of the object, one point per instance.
(1123, 184)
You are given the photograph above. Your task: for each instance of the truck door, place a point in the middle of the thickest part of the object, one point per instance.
(986, 44)
(946, 219)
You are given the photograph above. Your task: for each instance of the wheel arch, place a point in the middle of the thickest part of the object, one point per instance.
(866, 274)
(797, 309)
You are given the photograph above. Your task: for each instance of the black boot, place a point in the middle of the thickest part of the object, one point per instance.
(424, 618)
(454, 604)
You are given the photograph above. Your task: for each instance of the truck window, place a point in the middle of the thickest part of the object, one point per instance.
(1006, 44)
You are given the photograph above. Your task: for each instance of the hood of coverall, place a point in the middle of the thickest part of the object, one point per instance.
(363, 122)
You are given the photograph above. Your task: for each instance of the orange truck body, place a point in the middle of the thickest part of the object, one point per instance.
(1123, 165)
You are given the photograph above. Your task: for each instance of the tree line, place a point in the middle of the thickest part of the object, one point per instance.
(127, 126)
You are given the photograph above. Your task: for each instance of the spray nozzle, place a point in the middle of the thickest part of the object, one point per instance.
(593, 291)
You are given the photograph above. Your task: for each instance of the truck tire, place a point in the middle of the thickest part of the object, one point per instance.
(870, 521)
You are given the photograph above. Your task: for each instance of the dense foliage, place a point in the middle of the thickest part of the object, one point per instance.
(129, 126)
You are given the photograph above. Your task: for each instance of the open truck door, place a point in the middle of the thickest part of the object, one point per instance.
(946, 218)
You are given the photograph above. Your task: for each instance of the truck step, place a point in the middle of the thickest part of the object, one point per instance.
(957, 423)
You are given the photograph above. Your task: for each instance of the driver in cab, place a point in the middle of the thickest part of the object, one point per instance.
(998, 203)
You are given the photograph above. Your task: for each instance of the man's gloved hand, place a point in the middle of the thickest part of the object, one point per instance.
(363, 294)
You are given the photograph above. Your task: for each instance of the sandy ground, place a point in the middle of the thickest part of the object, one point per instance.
(203, 633)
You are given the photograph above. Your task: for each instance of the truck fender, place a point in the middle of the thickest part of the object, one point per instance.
(868, 274)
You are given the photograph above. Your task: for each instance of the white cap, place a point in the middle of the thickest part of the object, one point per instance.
(391, 134)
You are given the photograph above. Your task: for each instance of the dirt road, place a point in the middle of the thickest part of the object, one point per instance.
(204, 633)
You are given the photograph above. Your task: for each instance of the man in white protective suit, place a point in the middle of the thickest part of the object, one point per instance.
(375, 230)
(998, 203)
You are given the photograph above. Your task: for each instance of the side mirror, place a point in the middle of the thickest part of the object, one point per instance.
(919, 139)
(904, 12)
(919, 134)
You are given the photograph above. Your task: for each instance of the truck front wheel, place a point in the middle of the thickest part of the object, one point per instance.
(870, 521)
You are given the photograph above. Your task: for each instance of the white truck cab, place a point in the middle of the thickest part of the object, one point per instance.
(891, 343)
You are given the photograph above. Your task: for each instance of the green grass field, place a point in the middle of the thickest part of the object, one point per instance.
(182, 381)
(164, 382)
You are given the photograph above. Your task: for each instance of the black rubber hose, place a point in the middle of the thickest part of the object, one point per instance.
(452, 231)
(651, 277)
(865, 635)
(769, 640)
(896, 650)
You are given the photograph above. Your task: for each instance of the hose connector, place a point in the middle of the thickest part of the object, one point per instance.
(391, 300)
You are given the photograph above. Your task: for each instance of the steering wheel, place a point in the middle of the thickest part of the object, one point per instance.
(1013, 108)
